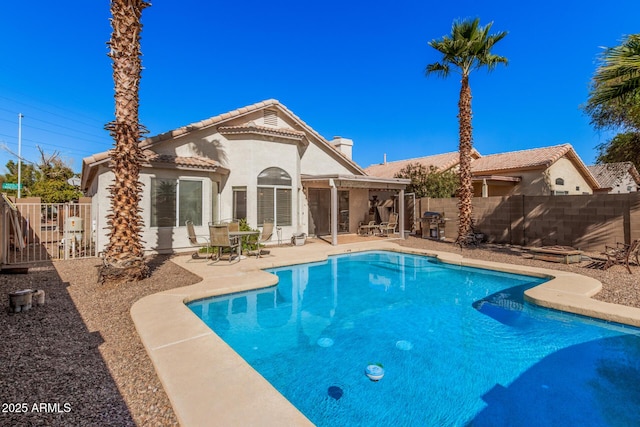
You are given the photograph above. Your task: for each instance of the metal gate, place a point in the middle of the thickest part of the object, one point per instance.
(33, 232)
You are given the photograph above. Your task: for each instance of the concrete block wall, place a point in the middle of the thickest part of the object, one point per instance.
(587, 222)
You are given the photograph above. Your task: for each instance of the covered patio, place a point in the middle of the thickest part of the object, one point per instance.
(339, 203)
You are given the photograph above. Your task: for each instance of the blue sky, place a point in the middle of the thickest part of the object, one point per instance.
(348, 68)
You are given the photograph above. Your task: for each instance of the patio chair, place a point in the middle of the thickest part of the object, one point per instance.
(389, 226)
(265, 236)
(198, 241)
(221, 240)
(620, 254)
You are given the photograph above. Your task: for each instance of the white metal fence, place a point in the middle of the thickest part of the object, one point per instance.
(33, 232)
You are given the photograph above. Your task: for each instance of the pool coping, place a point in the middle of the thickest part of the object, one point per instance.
(207, 381)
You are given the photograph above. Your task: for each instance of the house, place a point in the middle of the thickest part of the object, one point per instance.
(259, 162)
(539, 171)
(621, 177)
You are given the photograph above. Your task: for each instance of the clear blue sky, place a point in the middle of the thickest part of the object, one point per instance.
(348, 68)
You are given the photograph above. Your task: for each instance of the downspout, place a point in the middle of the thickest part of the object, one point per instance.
(334, 212)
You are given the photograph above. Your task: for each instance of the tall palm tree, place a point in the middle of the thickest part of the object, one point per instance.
(124, 255)
(467, 48)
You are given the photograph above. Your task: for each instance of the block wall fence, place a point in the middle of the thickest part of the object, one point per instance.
(586, 222)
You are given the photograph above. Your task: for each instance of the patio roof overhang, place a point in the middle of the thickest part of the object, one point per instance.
(496, 178)
(354, 181)
(335, 181)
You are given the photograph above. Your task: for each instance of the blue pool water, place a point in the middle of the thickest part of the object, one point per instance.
(459, 347)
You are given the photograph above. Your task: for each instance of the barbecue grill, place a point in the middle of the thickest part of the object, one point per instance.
(432, 224)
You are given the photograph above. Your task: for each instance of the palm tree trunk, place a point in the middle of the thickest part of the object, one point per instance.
(124, 255)
(466, 145)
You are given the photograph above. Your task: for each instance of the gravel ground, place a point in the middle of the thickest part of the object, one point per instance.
(79, 352)
(78, 361)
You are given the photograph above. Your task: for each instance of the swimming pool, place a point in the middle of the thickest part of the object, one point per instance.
(459, 346)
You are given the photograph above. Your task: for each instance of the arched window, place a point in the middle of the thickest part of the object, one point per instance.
(274, 197)
(559, 181)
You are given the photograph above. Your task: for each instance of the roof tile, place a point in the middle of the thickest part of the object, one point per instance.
(523, 159)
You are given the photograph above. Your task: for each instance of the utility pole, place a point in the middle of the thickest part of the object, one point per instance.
(20, 116)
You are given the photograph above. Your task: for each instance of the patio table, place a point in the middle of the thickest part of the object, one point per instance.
(244, 235)
(367, 230)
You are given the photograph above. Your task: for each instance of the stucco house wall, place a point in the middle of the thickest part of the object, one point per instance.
(542, 181)
(226, 152)
(573, 181)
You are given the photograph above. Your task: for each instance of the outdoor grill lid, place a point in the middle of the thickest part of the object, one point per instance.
(430, 214)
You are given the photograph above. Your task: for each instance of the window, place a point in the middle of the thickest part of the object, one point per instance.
(577, 188)
(274, 197)
(175, 201)
(239, 202)
(560, 193)
(190, 202)
(559, 181)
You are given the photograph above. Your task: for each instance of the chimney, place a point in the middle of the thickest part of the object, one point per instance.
(344, 145)
(384, 159)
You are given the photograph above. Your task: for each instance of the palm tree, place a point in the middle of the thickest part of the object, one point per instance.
(614, 98)
(618, 75)
(467, 48)
(124, 254)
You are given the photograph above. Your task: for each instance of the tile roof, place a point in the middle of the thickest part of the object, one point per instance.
(209, 122)
(534, 158)
(194, 162)
(494, 164)
(89, 162)
(215, 120)
(441, 161)
(609, 174)
(263, 130)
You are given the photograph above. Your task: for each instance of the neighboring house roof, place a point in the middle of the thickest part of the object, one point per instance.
(442, 162)
(494, 164)
(535, 158)
(89, 163)
(610, 174)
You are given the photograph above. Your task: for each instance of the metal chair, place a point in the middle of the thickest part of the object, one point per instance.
(265, 236)
(194, 240)
(621, 253)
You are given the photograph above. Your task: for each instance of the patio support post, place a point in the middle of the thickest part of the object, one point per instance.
(401, 213)
(334, 213)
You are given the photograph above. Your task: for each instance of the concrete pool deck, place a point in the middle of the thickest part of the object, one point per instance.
(208, 383)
